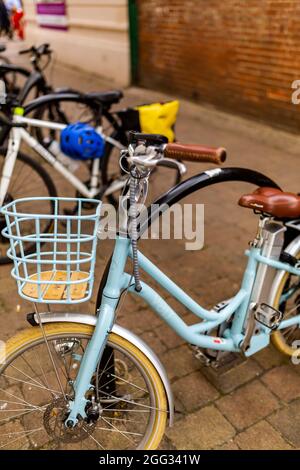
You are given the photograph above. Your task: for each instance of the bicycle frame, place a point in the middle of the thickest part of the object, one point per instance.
(35, 78)
(17, 134)
(118, 281)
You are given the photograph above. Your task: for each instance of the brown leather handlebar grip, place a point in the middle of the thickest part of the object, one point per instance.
(195, 153)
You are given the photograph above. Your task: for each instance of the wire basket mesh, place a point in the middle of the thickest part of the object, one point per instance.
(56, 265)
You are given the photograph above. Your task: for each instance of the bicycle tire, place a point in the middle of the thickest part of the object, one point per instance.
(44, 178)
(27, 340)
(283, 339)
(58, 115)
(9, 73)
(4, 60)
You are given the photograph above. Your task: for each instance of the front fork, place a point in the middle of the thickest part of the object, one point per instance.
(96, 346)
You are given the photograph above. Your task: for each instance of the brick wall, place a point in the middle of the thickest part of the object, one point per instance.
(240, 55)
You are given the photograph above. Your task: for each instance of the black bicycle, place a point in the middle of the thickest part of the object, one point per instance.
(22, 85)
(21, 81)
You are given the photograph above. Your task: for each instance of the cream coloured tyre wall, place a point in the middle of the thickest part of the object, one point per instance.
(30, 398)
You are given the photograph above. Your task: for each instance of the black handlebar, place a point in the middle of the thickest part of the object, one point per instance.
(43, 49)
(25, 51)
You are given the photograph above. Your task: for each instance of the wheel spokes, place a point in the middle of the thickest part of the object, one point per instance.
(30, 388)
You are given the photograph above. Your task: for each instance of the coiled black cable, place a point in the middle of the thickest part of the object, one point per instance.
(133, 231)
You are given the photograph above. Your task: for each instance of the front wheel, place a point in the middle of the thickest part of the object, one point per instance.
(127, 392)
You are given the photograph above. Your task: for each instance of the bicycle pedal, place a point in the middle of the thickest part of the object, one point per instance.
(268, 316)
(227, 361)
(221, 362)
(200, 355)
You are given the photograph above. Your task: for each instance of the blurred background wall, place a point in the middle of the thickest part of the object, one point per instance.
(95, 39)
(238, 55)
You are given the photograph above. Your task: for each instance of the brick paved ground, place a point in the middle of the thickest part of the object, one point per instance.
(255, 404)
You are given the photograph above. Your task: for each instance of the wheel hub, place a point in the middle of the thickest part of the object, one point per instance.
(55, 418)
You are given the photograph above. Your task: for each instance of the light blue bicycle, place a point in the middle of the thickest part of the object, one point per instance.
(78, 381)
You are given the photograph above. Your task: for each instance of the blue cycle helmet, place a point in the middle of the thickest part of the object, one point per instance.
(81, 142)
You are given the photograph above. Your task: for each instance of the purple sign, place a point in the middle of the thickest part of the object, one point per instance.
(52, 15)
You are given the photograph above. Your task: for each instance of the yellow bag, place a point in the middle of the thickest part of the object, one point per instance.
(159, 118)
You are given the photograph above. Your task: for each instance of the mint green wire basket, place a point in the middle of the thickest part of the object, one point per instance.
(59, 266)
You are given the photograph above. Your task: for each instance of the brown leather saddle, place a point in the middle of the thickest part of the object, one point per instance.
(274, 202)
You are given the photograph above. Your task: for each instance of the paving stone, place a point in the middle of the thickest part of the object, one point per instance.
(269, 357)
(194, 391)
(169, 337)
(261, 436)
(155, 343)
(180, 410)
(217, 291)
(13, 436)
(230, 445)
(284, 382)
(204, 429)
(166, 444)
(33, 421)
(287, 422)
(248, 404)
(180, 362)
(87, 444)
(42, 391)
(11, 401)
(234, 377)
(139, 320)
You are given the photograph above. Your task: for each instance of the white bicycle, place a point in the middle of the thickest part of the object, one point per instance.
(23, 176)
